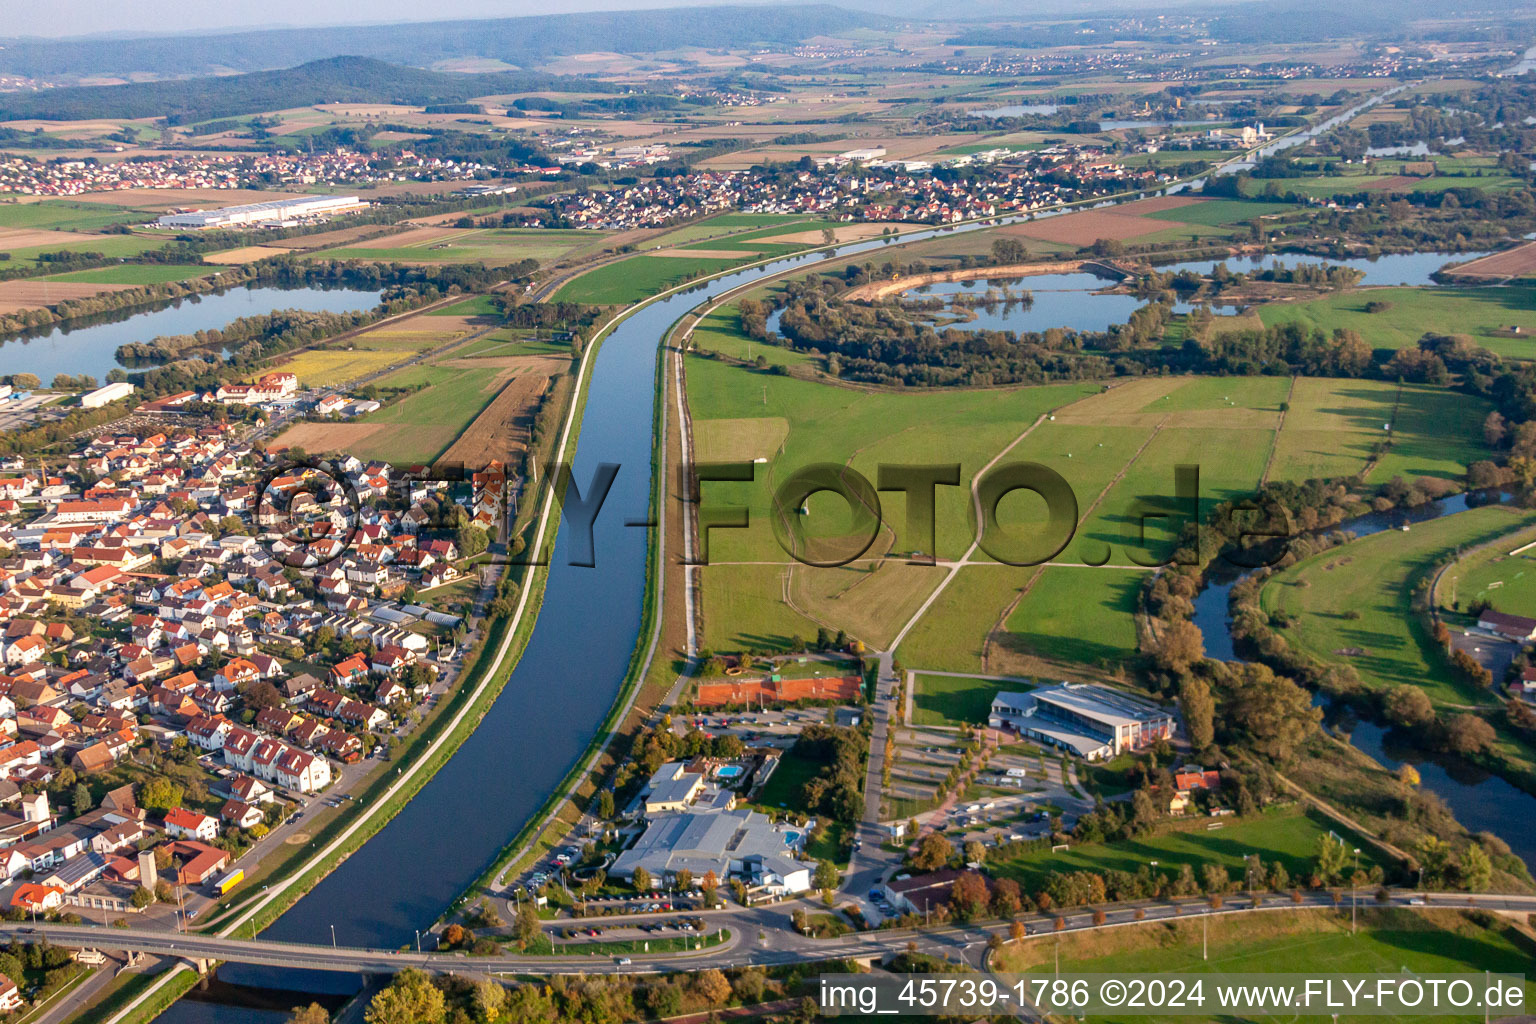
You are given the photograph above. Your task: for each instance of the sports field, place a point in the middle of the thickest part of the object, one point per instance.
(1496, 574)
(1482, 313)
(1351, 605)
(1388, 942)
(1285, 835)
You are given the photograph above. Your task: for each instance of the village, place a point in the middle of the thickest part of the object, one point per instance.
(183, 680)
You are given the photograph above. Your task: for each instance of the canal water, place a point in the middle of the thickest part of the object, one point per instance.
(92, 348)
(1480, 801)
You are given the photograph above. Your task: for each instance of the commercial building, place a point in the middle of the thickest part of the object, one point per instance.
(103, 395)
(274, 213)
(1091, 721)
(739, 843)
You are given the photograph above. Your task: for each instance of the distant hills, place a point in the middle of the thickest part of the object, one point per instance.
(332, 80)
(422, 44)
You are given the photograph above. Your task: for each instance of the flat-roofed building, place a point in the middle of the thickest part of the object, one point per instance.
(741, 843)
(1091, 721)
(276, 212)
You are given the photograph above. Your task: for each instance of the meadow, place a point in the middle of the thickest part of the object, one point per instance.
(422, 425)
(1388, 941)
(133, 273)
(1412, 312)
(1221, 212)
(67, 215)
(492, 246)
(1285, 835)
(636, 277)
(1357, 598)
(956, 700)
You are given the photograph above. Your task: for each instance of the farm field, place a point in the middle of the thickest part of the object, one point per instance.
(1117, 448)
(134, 274)
(1413, 312)
(63, 214)
(28, 245)
(728, 224)
(632, 279)
(1517, 262)
(1389, 941)
(1350, 605)
(1221, 212)
(329, 367)
(1285, 835)
(423, 424)
(955, 700)
(1505, 580)
(467, 245)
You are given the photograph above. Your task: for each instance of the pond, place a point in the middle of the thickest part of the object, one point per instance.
(92, 348)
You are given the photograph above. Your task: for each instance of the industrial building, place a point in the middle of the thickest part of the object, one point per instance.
(272, 214)
(1091, 721)
(103, 395)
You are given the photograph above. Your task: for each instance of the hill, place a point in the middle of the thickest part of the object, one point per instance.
(332, 80)
(513, 40)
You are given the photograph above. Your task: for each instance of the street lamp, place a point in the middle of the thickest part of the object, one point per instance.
(333, 936)
(1354, 886)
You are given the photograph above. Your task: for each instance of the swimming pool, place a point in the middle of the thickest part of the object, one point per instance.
(791, 838)
(729, 771)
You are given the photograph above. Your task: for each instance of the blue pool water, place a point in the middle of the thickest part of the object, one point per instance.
(728, 771)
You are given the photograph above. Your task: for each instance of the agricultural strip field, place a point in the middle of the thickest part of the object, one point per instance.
(1286, 835)
(376, 349)
(1351, 605)
(1388, 942)
(1117, 448)
(1221, 212)
(1485, 314)
(1517, 262)
(492, 246)
(134, 274)
(38, 242)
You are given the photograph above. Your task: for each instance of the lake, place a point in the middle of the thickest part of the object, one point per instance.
(92, 348)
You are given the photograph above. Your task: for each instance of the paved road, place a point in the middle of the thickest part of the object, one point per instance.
(757, 937)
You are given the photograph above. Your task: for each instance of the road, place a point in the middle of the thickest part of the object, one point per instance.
(758, 936)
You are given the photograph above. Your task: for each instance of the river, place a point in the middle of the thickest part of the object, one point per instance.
(1480, 801)
(92, 348)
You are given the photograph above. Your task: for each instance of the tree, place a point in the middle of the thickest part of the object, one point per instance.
(969, 895)
(82, 798)
(642, 880)
(1469, 734)
(827, 875)
(1273, 714)
(1476, 869)
(525, 925)
(1215, 878)
(683, 880)
(605, 805)
(160, 794)
(1408, 775)
(314, 1013)
(933, 852)
(975, 852)
(1179, 646)
(1332, 855)
(708, 885)
(1408, 706)
(1006, 897)
(141, 898)
(488, 1001)
(410, 999)
(1199, 712)
(712, 987)
(1009, 250)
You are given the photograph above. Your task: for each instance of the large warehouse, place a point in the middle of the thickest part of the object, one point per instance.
(276, 213)
(1092, 721)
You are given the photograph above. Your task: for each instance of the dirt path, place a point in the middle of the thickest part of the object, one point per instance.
(1274, 443)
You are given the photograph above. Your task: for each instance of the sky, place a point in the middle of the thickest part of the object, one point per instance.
(62, 18)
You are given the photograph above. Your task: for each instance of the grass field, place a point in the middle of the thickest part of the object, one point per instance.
(1357, 598)
(955, 700)
(475, 305)
(1117, 449)
(727, 223)
(1413, 312)
(632, 279)
(1505, 580)
(422, 425)
(134, 273)
(1286, 835)
(467, 245)
(106, 245)
(1221, 212)
(1389, 941)
(66, 215)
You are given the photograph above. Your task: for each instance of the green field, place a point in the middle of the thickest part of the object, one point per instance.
(1221, 212)
(493, 246)
(1505, 580)
(727, 223)
(134, 273)
(1357, 598)
(475, 305)
(632, 279)
(1288, 836)
(1413, 312)
(956, 700)
(1389, 942)
(66, 215)
(427, 421)
(1078, 614)
(106, 245)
